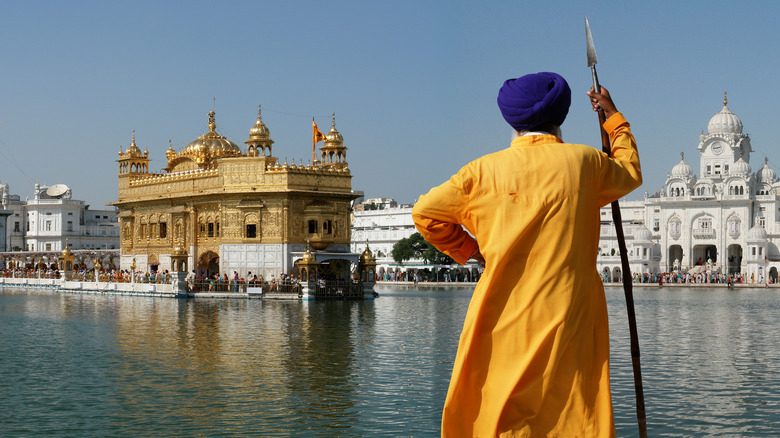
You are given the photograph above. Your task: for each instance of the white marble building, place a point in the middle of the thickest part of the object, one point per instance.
(725, 220)
(381, 228)
(45, 222)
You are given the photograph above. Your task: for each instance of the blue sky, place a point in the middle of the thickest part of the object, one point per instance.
(412, 83)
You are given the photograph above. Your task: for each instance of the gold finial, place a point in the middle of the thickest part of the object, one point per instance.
(333, 123)
(259, 114)
(725, 99)
(766, 160)
(212, 121)
(682, 156)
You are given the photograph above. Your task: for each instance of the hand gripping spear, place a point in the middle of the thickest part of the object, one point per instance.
(627, 285)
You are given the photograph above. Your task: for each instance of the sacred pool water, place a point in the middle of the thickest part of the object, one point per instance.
(108, 365)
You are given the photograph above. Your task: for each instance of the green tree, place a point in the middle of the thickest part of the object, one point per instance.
(409, 248)
(415, 247)
(436, 257)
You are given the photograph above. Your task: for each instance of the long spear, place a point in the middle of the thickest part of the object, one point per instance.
(627, 283)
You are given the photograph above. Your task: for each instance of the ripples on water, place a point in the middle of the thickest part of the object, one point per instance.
(105, 365)
(709, 360)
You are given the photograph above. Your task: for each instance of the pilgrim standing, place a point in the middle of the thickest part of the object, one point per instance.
(533, 356)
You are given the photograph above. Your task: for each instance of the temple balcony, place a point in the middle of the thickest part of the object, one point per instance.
(703, 233)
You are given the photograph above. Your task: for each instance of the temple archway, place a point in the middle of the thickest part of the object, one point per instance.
(702, 253)
(675, 258)
(734, 254)
(617, 275)
(208, 263)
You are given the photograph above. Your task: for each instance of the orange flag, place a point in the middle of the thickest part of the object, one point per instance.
(317, 135)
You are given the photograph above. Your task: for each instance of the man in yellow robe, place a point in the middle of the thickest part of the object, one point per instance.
(533, 357)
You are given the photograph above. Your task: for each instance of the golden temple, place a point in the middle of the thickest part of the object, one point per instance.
(224, 209)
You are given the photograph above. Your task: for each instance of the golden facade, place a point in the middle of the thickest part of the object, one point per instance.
(230, 209)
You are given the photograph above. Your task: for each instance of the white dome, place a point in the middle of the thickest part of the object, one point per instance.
(682, 169)
(643, 234)
(740, 168)
(756, 234)
(766, 174)
(724, 122)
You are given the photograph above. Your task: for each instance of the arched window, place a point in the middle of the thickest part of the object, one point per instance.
(675, 227)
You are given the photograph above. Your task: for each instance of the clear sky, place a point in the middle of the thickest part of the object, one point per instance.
(412, 83)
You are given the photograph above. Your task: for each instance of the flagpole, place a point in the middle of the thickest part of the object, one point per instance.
(313, 142)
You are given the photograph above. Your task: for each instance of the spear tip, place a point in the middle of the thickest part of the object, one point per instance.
(590, 48)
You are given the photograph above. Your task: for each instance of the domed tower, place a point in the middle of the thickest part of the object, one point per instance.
(210, 146)
(723, 144)
(133, 161)
(740, 179)
(642, 245)
(765, 178)
(741, 168)
(334, 153)
(170, 154)
(259, 143)
(757, 245)
(680, 181)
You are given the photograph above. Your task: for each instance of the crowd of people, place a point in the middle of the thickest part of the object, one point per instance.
(693, 278)
(426, 275)
(204, 282)
(84, 274)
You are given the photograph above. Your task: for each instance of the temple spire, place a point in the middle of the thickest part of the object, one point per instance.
(212, 121)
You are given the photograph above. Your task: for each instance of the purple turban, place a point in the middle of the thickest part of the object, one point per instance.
(533, 100)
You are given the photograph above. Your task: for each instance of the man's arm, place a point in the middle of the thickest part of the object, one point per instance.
(438, 216)
(622, 172)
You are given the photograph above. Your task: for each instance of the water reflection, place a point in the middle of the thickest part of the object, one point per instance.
(283, 364)
(109, 365)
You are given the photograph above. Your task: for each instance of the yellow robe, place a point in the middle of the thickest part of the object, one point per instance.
(533, 357)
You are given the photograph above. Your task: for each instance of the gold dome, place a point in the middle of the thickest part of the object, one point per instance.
(67, 251)
(333, 136)
(133, 150)
(212, 143)
(259, 131)
(170, 153)
(308, 257)
(367, 256)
